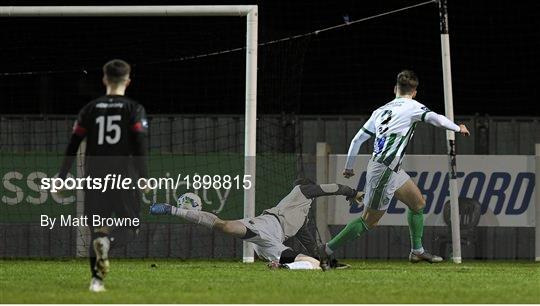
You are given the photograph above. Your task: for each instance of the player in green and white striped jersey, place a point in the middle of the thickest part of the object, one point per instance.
(393, 126)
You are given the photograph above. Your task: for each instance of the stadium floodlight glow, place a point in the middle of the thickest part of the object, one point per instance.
(251, 14)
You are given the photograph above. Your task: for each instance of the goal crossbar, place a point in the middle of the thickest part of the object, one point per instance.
(250, 11)
(141, 10)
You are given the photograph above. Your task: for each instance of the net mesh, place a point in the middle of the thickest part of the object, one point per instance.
(195, 103)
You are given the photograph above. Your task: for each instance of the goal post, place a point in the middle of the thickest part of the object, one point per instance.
(251, 123)
(450, 135)
(248, 11)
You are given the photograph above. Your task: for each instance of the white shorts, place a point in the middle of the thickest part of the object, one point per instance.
(269, 236)
(381, 183)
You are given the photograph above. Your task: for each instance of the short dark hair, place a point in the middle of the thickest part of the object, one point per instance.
(407, 81)
(116, 70)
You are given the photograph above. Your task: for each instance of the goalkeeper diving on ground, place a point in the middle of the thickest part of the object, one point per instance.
(269, 230)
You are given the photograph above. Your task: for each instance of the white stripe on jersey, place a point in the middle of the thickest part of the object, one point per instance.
(393, 125)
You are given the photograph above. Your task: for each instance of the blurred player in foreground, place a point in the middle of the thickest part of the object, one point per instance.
(269, 230)
(115, 129)
(393, 126)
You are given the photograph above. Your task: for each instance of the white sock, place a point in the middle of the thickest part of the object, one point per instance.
(328, 250)
(301, 265)
(418, 251)
(203, 218)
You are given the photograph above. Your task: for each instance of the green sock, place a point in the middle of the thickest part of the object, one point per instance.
(416, 227)
(353, 230)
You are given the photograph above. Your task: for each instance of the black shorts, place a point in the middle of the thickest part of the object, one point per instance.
(115, 203)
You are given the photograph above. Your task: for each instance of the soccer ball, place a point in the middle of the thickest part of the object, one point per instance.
(189, 201)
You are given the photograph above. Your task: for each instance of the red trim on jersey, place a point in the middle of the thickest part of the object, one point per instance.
(79, 130)
(137, 127)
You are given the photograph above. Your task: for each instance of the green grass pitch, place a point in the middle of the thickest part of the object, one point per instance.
(197, 281)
